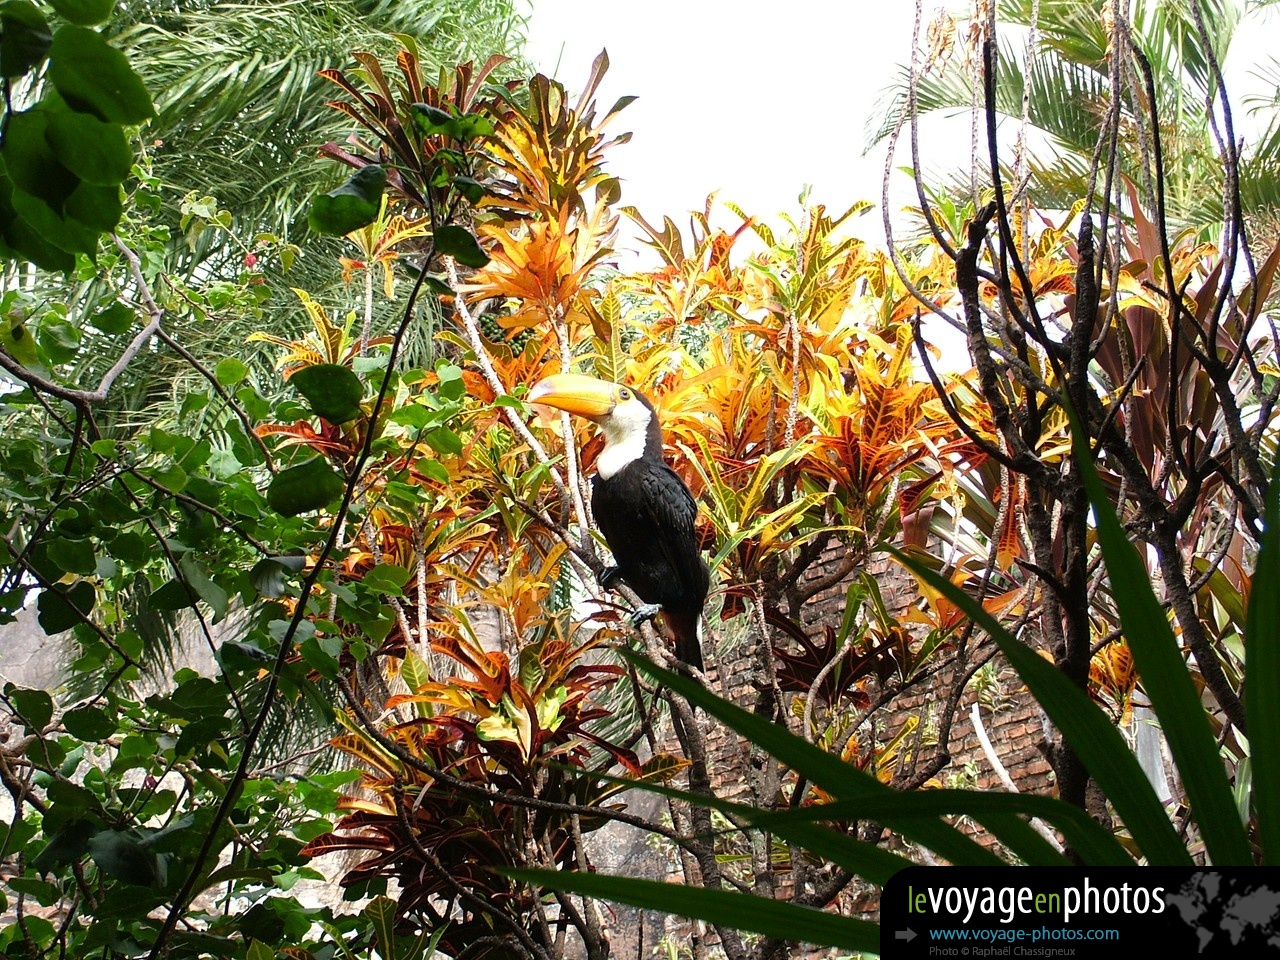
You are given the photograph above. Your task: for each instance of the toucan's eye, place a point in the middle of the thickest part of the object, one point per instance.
(624, 393)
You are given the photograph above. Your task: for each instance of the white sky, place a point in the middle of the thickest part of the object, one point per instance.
(753, 99)
(756, 99)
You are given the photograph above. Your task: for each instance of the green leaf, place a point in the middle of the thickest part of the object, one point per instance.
(472, 190)
(205, 589)
(125, 857)
(95, 77)
(381, 913)
(386, 578)
(236, 657)
(73, 556)
(333, 391)
(444, 441)
(433, 121)
(89, 723)
(57, 607)
(94, 151)
(1262, 667)
(31, 161)
(269, 575)
(171, 596)
(65, 847)
(18, 233)
(414, 671)
(457, 242)
(308, 486)
(16, 340)
(51, 227)
(437, 286)
(230, 371)
(46, 894)
(60, 341)
(741, 911)
(351, 206)
(116, 318)
(84, 12)
(35, 707)
(24, 37)
(96, 206)
(319, 659)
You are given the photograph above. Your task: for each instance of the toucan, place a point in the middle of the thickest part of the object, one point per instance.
(641, 505)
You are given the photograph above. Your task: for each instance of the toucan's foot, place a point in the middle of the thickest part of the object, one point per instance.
(647, 612)
(608, 577)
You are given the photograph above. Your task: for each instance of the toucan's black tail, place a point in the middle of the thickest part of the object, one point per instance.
(687, 630)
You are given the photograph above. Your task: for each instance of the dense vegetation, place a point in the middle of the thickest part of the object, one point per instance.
(281, 421)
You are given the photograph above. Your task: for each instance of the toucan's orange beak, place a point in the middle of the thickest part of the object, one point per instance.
(584, 396)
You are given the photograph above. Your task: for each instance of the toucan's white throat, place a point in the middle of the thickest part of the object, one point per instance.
(625, 430)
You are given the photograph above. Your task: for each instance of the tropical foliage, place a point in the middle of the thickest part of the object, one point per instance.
(1059, 84)
(387, 554)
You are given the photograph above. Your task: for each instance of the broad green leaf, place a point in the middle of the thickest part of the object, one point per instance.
(93, 76)
(386, 578)
(125, 857)
(1262, 667)
(351, 206)
(73, 556)
(308, 486)
(96, 206)
(443, 441)
(230, 371)
(457, 242)
(59, 340)
(432, 120)
(437, 286)
(89, 723)
(31, 161)
(35, 707)
(64, 847)
(30, 242)
(43, 892)
(57, 607)
(94, 151)
(741, 911)
(24, 37)
(205, 588)
(236, 657)
(63, 232)
(333, 391)
(84, 12)
(472, 190)
(269, 575)
(171, 596)
(319, 659)
(16, 340)
(115, 318)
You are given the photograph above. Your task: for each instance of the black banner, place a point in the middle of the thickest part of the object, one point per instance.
(973, 912)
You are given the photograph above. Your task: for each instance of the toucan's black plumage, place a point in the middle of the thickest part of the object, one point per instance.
(643, 508)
